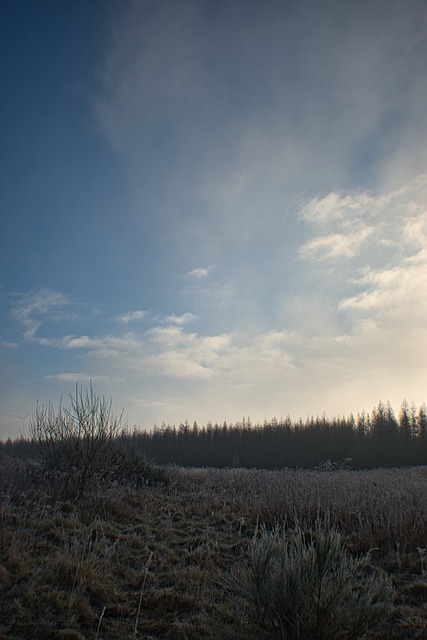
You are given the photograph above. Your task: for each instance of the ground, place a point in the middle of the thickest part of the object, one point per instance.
(156, 561)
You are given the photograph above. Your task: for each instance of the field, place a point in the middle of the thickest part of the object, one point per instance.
(161, 561)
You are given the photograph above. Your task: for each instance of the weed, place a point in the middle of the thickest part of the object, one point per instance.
(306, 586)
(77, 567)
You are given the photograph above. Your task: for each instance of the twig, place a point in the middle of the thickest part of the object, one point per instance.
(99, 623)
(147, 564)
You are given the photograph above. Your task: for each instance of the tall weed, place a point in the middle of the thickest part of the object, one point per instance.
(306, 586)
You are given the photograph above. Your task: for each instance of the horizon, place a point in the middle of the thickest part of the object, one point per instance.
(213, 211)
(361, 415)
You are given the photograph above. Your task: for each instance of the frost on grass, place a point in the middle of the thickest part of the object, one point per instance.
(305, 585)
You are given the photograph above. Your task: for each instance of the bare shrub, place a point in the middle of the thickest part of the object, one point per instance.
(79, 446)
(73, 442)
(304, 585)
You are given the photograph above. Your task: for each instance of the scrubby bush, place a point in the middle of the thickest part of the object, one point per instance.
(78, 446)
(73, 441)
(305, 586)
(126, 465)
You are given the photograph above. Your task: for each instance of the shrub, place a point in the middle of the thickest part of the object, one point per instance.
(73, 442)
(126, 465)
(78, 446)
(305, 586)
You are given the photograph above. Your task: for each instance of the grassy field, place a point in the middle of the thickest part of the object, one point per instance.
(158, 561)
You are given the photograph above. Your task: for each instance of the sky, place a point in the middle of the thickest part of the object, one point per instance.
(213, 209)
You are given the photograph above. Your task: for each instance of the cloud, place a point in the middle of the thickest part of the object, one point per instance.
(174, 352)
(241, 142)
(396, 293)
(132, 316)
(334, 207)
(171, 351)
(184, 318)
(37, 307)
(270, 154)
(78, 378)
(5, 344)
(94, 344)
(350, 328)
(244, 100)
(200, 273)
(335, 245)
(169, 373)
(360, 333)
(366, 221)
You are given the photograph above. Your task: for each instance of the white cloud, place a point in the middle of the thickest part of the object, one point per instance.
(199, 273)
(181, 363)
(168, 373)
(366, 221)
(335, 245)
(132, 316)
(398, 292)
(337, 343)
(359, 316)
(310, 308)
(239, 138)
(109, 343)
(184, 318)
(334, 207)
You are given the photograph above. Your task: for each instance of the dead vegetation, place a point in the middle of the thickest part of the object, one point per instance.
(154, 561)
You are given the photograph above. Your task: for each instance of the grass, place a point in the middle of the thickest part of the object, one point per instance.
(306, 585)
(155, 561)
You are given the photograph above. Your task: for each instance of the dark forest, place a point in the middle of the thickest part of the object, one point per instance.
(378, 439)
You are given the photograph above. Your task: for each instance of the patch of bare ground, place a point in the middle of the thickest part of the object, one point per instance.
(154, 562)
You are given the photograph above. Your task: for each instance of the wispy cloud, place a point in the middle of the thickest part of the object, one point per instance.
(364, 221)
(39, 306)
(335, 245)
(92, 344)
(199, 273)
(287, 234)
(243, 133)
(400, 291)
(79, 378)
(5, 344)
(132, 316)
(382, 273)
(336, 207)
(184, 318)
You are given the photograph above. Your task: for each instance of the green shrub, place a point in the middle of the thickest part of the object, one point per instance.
(305, 586)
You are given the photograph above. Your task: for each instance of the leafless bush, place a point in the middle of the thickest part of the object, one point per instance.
(77, 447)
(73, 442)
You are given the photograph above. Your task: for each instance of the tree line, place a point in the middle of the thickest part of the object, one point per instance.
(378, 439)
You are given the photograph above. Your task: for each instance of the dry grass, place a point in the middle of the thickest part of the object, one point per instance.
(152, 562)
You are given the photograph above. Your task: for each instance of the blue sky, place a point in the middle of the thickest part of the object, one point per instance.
(213, 209)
